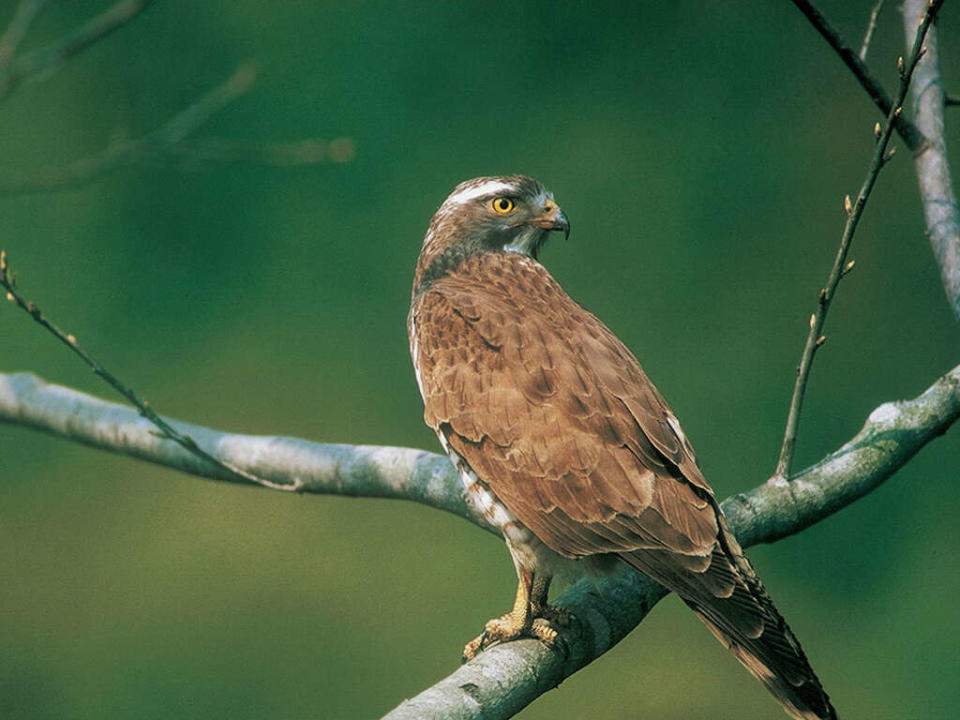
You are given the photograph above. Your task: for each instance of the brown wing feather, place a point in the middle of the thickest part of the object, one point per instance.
(558, 418)
(555, 414)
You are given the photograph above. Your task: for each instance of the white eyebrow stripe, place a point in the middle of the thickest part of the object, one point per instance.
(487, 188)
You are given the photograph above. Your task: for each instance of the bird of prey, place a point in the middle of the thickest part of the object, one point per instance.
(564, 443)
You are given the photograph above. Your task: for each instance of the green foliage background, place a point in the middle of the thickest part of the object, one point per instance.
(701, 149)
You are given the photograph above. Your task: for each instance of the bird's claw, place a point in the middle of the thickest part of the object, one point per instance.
(502, 629)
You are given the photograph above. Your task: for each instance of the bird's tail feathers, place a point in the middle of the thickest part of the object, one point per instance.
(727, 595)
(800, 693)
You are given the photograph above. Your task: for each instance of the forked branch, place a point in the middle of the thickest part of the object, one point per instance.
(854, 210)
(508, 677)
(40, 62)
(185, 441)
(926, 138)
(908, 131)
(26, 11)
(171, 141)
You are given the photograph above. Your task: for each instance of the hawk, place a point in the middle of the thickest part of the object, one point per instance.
(564, 443)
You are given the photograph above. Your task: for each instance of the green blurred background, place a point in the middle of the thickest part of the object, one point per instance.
(701, 149)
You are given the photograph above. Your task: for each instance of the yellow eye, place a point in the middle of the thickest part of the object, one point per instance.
(503, 205)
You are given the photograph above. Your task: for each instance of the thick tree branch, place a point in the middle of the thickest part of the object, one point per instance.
(353, 470)
(505, 678)
(941, 212)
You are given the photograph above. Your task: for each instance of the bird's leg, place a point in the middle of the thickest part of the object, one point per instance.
(530, 617)
(539, 608)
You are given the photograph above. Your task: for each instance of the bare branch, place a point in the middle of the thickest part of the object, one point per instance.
(907, 130)
(185, 441)
(871, 26)
(41, 62)
(353, 470)
(311, 151)
(940, 209)
(508, 677)
(26, 11)
(170, 140)
(854, 210)
(926, 138)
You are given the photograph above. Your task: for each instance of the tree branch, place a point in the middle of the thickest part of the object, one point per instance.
(854, 210)
(941, 212)
(353, 470)
(926, 138)
(871, 26)
(170, 141)
(26, 11)
(505, 678)
(46, 59)
(8, 283)
(907, 130)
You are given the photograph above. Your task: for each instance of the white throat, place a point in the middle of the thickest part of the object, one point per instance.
(527, 242)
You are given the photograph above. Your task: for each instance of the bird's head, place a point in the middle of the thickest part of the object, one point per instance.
(510, 213)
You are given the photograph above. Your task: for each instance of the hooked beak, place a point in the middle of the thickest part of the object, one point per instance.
(553, 218)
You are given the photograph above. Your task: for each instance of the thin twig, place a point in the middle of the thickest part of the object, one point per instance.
(185, 441)
(949, 100)
(815, 337)
(169, 141)
(26, 11)
(871, 26)
(907, 130)
(310, 151)
(39, 62)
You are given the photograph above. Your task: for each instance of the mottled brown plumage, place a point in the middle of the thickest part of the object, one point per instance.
(565, 443)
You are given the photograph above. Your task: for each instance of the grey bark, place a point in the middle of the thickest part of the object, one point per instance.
(506, 678)
(940, 209)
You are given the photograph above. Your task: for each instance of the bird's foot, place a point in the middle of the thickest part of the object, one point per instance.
(556, 615)
(541, 625)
